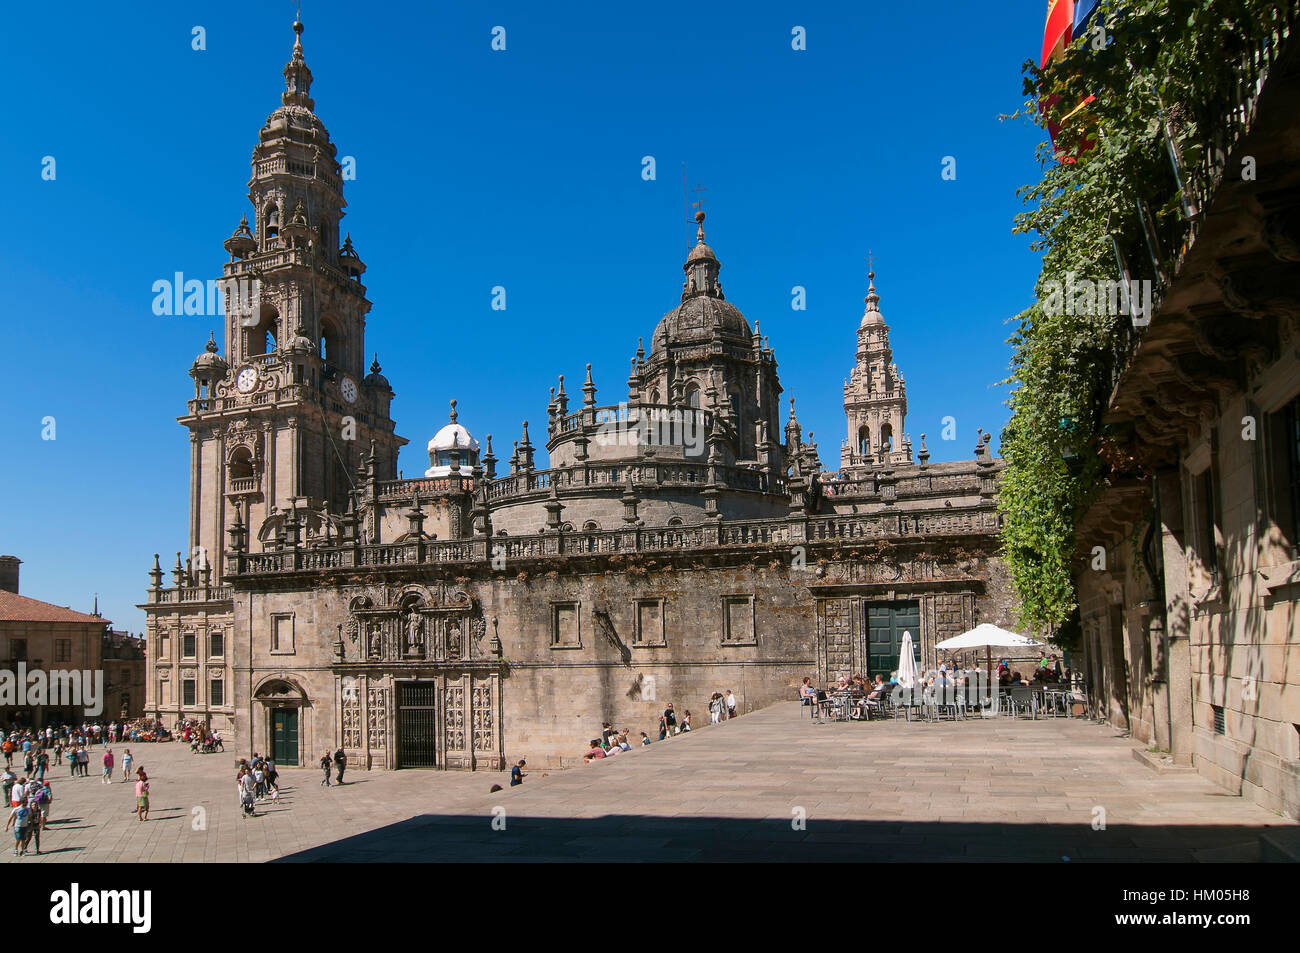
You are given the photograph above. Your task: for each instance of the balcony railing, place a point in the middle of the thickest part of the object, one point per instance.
(726, 535)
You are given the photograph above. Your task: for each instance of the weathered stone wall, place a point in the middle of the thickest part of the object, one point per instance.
(694, 637)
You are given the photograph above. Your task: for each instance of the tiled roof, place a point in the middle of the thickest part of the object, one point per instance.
(16, 608)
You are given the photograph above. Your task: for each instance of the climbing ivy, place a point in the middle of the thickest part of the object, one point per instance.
(1165, 77)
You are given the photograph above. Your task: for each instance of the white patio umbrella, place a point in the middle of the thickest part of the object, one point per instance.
(907, 662)
(988, 636)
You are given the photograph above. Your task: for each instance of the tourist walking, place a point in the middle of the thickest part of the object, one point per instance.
(20, 819)
(325, 766)
(142, 796)
(517, 774)
(107, 777)
(126, 765)
(340, 762)
(247, 794)
(732, 709)
(715, 708)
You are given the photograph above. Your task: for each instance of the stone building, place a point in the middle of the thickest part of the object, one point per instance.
(679, 540)
(1191, 626)
(38, 636)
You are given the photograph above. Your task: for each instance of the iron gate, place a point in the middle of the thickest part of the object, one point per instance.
(417, 724)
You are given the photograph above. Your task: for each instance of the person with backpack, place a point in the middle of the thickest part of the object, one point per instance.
(20, 819)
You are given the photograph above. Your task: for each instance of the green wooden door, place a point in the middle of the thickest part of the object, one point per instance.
(886, 623)
(284, 735)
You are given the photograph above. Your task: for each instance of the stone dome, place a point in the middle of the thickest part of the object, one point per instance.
(209, 365)
(697, 318)
(376, 378)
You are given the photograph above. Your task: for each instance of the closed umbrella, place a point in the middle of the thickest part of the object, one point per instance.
(907, 662)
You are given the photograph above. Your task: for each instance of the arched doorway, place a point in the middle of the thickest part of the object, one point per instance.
(283, 701)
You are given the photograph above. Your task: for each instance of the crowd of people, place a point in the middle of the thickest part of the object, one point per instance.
(257, 779)
(201, 738)
(863, 695)
(31, 793)
(722, 707)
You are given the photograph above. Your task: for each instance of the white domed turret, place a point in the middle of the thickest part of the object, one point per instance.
(452, 443)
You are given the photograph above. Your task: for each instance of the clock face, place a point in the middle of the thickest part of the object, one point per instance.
(349, 389)
(246, 380)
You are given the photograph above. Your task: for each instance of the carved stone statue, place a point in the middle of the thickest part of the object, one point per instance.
(414, 634)
(374, 640)
(453, 642)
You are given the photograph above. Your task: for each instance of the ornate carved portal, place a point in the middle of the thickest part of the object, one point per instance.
(416, 673)
(435, 624)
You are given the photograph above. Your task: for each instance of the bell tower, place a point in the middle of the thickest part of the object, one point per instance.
(875, 395)
(286, 418)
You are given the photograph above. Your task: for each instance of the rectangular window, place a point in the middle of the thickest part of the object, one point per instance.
(1220, 724)
(1209, 519)
(187, 691)
(164, 694)
(216, 644)
(565, 625)
(738, 620)
(216, 693)
(164, 645)
(187, 645)
(18, 650)
(649, 617)
(282, 634)
(63, 650)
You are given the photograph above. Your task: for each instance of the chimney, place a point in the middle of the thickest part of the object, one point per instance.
(9, 573)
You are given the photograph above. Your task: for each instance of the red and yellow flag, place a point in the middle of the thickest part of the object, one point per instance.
(1058, 31)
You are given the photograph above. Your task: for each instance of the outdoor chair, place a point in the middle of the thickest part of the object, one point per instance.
(1021, 699)
(943, 702)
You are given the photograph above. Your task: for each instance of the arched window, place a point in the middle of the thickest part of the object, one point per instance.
(886, 437)
(241, 464)
(864, 441)
(261, 339)
(654, 396)
(675, 521)
(271, 226)
(591, 526)
(693, 395)
(331, 342)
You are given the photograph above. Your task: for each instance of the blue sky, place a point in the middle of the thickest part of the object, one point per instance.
(478, 168)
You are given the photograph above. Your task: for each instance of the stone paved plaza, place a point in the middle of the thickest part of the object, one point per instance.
(996, 790)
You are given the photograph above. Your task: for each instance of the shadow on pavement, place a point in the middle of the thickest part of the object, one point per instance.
(638, 838)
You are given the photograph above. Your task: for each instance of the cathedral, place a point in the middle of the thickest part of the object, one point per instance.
(680, 540)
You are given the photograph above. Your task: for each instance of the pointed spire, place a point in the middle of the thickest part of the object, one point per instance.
(297, 77)
(589, 390)
(453, 413)
(871, 315)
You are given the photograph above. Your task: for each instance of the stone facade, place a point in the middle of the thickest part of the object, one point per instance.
(1189, 585)
(680, 542)
(38, 636)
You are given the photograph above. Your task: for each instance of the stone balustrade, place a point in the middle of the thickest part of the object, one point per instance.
(712, 536)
